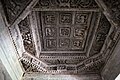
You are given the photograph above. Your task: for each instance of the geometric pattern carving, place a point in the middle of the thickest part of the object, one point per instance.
(13, 8)
(64, 30)
(25, 30)
(80, 32)
(81, 18)
(65, 18)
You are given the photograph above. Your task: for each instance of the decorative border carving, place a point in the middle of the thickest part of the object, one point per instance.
(87, 4)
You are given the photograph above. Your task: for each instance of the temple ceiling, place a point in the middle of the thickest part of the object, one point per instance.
(60, 36)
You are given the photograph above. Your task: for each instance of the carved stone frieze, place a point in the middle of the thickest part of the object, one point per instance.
(62, 61)
(66, 4)
(92, 64)
(26, 33)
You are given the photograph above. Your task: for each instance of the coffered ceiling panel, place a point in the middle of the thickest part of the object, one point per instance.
(63, 37)
(64, 31)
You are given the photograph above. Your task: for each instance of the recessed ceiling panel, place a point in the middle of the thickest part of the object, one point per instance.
(64, 31)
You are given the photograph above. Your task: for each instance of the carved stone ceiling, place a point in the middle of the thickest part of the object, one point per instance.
(60, 36)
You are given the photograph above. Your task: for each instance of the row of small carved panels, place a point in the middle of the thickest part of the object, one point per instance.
(66, 4)
(63, 18)
(95, 60)
(64, 44)
(73, 32)
(96, 66)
